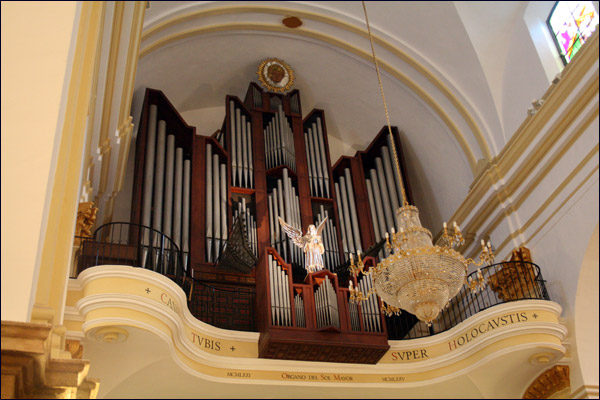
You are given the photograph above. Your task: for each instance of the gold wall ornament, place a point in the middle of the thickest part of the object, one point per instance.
(311, 243)
(548, 383)
(86, 217)
(276, 75)
(30, 371)
(516, 279)
(75, 348)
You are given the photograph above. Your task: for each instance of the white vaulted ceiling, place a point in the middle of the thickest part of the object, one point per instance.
(444, 76)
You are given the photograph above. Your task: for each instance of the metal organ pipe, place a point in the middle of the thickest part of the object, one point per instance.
(378, 204)
(149, 170)
(346, 213)
(159, 176)
(383, 187)
(317, 157)
(216, 207)
(250, 151)
(239, 152)
(342, 221)
(169, 171)
(233, 122)
(324, 163)
(177, 197)
(244, 180)
(209, 202)
(185, 229)
(352, 205)
(387, 165)
(374, 210)
(223, 181)
(310, 161)
(396, 178)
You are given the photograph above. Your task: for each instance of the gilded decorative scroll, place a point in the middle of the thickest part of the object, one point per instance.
(86, 217)
(550, 382)
(516, 279)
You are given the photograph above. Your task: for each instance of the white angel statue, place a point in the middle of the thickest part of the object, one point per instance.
(311, 243)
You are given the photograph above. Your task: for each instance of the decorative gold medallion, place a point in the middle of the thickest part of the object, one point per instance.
(276, 75)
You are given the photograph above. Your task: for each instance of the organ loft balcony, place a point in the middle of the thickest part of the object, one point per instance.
(204, 278)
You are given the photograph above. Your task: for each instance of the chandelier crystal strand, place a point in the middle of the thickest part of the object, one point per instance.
(417, 276)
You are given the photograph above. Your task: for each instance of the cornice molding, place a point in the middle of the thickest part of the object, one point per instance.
(569, 107)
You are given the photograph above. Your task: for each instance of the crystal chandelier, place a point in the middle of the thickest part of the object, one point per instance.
(417, 276)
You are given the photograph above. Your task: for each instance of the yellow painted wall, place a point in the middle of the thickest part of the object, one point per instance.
(36, 47)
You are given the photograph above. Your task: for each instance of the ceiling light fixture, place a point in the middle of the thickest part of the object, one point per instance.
(417, 276)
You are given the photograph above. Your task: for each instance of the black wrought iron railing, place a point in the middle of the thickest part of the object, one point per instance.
(134, 245)
(232, 307)
(506, 282)
(121, 243)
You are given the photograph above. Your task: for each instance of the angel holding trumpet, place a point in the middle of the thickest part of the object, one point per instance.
(311, 243)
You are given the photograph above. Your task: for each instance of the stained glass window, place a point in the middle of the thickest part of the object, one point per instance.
(572, 23)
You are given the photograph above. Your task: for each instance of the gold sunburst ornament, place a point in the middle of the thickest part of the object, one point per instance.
(276, 75)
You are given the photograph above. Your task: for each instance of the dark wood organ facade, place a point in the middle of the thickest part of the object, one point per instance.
(266, 162)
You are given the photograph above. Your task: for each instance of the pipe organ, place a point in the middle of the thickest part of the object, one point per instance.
(265, 162)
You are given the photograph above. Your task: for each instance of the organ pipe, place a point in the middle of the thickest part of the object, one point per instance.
(383, 187)
(209, 202)
(149, 170)
(250, 151)
(177, 196)
(387, 166)
(159, 176)
(352, 206)
(324, 164)
(223, 201)
(395, 175)
(169, 171)
(342, 221)
(185, 229)
(216, 207)
(346, 215)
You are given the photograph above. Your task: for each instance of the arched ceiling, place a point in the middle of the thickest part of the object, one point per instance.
(437, 92)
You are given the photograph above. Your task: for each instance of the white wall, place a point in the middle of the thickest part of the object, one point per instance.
(37, 46)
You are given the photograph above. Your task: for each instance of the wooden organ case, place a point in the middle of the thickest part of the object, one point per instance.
(267, 161)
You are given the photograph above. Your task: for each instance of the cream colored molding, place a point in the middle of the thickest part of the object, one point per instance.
(494, 190)
(585, 392)
(133, 50)
(104, 141)
(87, 187)
(538, 178)
(553, 197)
(58, 239)
(125, 297)
(347, 27)
(115, 164)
